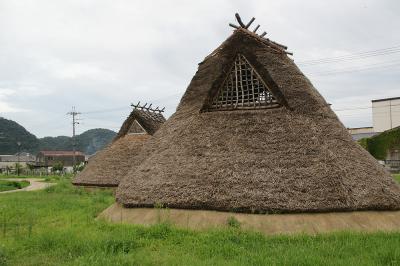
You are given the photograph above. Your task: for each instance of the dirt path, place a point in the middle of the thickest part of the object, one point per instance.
(35, 184)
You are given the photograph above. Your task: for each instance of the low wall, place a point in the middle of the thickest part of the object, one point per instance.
(309, 223)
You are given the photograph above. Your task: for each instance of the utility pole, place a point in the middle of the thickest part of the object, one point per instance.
(390, 113)
(19, 154)
(73, 113)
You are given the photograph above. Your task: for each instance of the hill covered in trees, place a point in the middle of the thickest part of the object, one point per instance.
(11, 133)
(88, 142)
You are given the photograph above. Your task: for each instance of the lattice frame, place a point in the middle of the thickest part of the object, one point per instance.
(243, 88)
(136, 129)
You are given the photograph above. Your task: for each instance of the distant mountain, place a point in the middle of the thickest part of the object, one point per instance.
(88, 142)
(11, 133)
(94, 139)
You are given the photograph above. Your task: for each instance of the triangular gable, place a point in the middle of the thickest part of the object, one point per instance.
(220, 65)
(243, 88)
(136, 128)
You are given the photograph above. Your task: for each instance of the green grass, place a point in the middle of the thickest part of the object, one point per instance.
(57, 226)
(47, 178)
(397, 177)
(6, 185)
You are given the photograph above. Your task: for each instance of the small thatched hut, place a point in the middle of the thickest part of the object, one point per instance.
(109, 164)
(252, 134)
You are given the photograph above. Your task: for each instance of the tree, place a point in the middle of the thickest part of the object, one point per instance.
(58, 166)
(79, 167)
(18, 168)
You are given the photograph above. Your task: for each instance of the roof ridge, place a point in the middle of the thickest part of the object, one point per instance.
(245, 28)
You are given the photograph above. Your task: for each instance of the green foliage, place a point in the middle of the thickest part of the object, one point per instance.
(55, 143)
(397, 177)
(18, 168)
(88, 142)
(94, 140)
(379, 145)
(11, 133)
(57, 226)
(3, 260)
(233, 222)
(48, 178)
(58, 166)
(12, 185)
(79, 167)
(363, 142)
(30, 166)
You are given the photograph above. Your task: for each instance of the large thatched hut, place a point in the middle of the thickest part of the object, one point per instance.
(108, 165)
(252, 134)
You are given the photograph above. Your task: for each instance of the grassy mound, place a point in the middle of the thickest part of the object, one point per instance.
(6, 185)
(57, 226)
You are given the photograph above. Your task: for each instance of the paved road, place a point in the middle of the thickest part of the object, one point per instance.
(35, 184)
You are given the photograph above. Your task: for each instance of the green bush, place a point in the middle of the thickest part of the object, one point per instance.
(79, 167)
(379, 145)
(6, 185)
(58, 166)
(364, 143)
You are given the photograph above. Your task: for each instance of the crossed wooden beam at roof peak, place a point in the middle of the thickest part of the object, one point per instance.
(275, 45)
(147, 108)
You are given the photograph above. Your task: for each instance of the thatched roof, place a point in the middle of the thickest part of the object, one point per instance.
(297, 157)
(108, 165)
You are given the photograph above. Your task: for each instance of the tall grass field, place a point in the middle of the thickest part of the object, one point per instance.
(57, 226)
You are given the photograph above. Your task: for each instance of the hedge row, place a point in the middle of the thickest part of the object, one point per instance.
(378, 145)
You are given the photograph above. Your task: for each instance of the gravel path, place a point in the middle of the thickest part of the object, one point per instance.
(35, 184)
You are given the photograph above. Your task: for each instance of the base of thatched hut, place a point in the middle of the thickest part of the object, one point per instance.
(90, 188)
(270, 224)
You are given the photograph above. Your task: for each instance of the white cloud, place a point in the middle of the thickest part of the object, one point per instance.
(106, 54)
(5, 106)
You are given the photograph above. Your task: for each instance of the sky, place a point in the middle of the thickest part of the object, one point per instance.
(100, 56)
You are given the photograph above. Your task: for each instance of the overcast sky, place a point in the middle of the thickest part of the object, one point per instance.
(101, 56)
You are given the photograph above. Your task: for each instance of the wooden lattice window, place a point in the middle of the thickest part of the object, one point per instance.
(136, 128)
(243, 88)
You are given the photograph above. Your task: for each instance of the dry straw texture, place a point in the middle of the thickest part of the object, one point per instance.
(297, 158)
(108, 165)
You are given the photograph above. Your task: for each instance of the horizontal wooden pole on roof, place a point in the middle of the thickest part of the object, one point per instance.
(281, 45)
(234, 26)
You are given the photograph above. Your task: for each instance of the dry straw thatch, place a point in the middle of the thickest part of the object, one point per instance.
(114, 161)
(295, 158)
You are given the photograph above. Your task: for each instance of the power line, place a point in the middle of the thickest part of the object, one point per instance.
(363, 107)
(106, 110)
(351, 70)
(353, 56)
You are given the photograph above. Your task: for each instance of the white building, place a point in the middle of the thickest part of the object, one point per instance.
(362, 132)
(22, 158)
(385, 114)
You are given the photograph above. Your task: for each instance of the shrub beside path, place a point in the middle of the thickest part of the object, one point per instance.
(34, 184)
